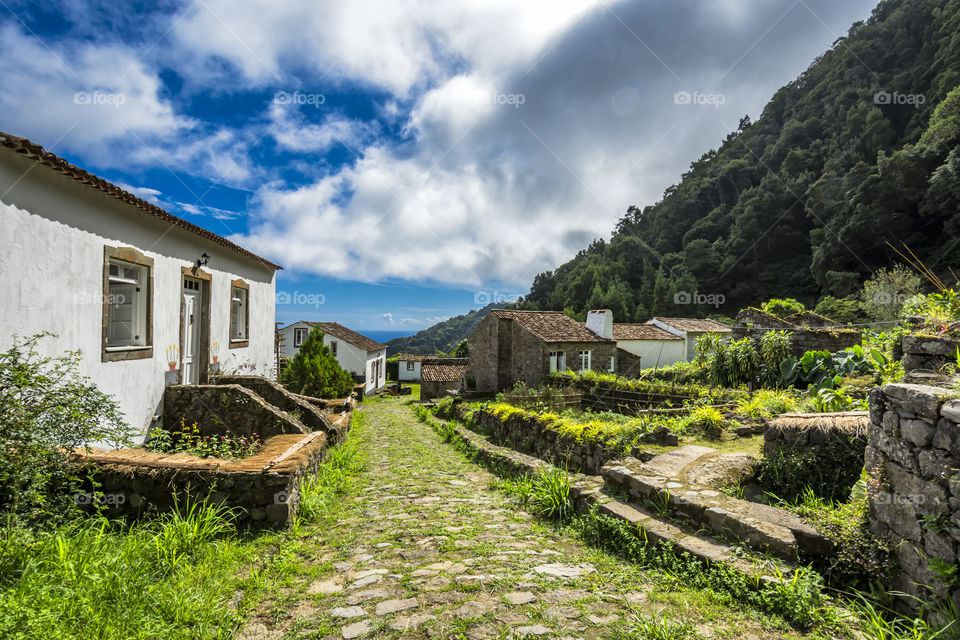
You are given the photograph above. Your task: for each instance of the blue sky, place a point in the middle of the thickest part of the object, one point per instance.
(405, 161)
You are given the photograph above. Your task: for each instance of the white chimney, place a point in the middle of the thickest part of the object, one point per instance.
(600, 321)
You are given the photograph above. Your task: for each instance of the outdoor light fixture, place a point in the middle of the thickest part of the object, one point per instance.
(203, 260)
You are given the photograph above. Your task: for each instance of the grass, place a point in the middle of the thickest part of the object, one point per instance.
(657, 627)
(173, 575)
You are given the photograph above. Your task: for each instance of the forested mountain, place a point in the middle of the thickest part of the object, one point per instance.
(443, 336)
(861, 149)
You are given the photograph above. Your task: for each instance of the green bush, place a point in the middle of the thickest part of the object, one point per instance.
(706, 421)
(767, 403)
(47, 409)
(829, 471)
(314, 371)
(782, 307)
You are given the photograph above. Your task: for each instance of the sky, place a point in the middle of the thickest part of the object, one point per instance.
(403, 160)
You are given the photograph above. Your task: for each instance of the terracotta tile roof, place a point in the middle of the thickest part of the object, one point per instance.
(551, 326)
(443, 370)
(694, 324)
(641, 332)
(348, 335)
(414, 357)
(39, 155)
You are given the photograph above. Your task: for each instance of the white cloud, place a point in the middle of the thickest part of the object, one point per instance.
(82, 93)
(292, 132)
(388, 317)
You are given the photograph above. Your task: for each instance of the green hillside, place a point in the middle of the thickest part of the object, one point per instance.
(858, 151)
(442, 336)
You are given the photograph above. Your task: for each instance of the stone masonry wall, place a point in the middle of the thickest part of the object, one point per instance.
(273, 392)
(220, 408)
(531, 436)
(753, 323)
(913, 456)
(928, 353)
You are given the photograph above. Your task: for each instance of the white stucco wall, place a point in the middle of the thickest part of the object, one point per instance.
(53, 231)
(408, 376)
(654, 353)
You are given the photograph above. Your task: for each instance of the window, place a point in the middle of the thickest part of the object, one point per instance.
(333, 348)
(558, 361)
(239, 314)
(411, 366)
(584, 360)
(612, 364)
(127, 291)
(299, 335)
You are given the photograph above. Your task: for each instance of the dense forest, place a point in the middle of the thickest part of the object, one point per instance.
(859, 151)
(442, 337)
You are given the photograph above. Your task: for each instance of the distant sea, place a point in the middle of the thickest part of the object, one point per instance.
(383, 336)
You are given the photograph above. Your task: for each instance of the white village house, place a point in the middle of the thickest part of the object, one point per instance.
(690, 329)
(147, 297)
(408, 366)
(364, 358)
(655, 347)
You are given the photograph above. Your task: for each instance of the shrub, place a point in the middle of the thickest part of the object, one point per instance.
(829, 471)
(707, 421)
(883, 295)
(767, 403)
(47, 409)
(314, 371)
(782, 307)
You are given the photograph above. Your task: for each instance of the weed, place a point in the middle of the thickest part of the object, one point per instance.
(657, 627)
(550, 494)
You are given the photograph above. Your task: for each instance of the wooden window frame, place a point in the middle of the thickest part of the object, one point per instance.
(296, 332)
(589, 359)
(119, 354)
(239, 283)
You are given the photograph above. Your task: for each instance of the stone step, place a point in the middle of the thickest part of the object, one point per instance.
(587, 492)
(685, 494)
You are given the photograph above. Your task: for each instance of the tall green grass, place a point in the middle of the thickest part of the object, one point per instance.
(169, 577)
(319, 493)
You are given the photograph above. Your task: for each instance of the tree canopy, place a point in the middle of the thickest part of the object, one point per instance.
(314, 371)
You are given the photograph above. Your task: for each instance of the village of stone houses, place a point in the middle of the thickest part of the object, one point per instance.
(735, 417)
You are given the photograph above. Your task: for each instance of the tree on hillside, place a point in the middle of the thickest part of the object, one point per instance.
(314, 371)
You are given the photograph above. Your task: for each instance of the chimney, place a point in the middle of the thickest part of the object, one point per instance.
(600, 321)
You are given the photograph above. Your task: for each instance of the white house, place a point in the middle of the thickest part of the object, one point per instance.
(364, 358)
(655, 347)
(408, 366)
(690, 329)
(139, 291)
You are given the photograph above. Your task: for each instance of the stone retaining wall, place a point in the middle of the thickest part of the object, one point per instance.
(913, 456)
(805, 334)
(217, 409)
(530, 435)
(311, 415)
(928, 353)
(263, 489)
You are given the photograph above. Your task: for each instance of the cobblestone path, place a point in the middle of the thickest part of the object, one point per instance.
(423, 547)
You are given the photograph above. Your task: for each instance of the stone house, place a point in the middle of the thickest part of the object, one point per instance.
(408, 366)
(511, 346)
(689, 329)
(440, 376)
(148, 298)
(363, 357)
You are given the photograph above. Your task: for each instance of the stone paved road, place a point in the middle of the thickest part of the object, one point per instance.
(423, 547)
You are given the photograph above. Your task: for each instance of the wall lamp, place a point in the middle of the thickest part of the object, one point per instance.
(203, 260)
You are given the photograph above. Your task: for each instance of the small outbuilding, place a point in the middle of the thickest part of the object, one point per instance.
(439, 376)
(408, 366)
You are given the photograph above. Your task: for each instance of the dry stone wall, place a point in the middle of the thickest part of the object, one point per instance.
(217, 409)
(928, 353)
(913, 457)
(312, 417)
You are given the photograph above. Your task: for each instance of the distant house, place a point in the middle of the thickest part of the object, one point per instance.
(690, 329)
(523, 346)
(440, 376)
(148, 298)
(408, 366)
(364, 358)
(654, 346)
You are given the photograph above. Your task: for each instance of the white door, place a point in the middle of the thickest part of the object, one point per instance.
(191, 331)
